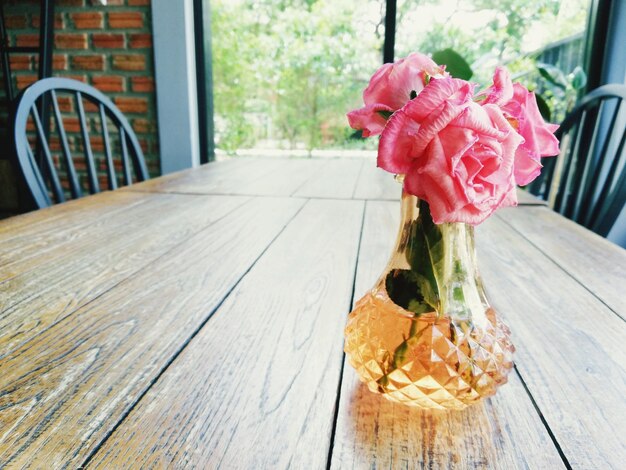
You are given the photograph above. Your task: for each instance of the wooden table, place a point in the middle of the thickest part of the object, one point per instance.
(196, 321)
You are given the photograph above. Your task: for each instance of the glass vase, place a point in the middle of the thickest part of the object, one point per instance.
(425, 335)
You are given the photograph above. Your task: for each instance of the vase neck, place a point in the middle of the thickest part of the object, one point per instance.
(433, 267)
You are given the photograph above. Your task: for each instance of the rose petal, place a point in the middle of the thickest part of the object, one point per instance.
(502, 89)
(396, 142)
(368, 119)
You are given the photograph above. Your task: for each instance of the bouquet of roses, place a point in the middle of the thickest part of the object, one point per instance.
(463, 153)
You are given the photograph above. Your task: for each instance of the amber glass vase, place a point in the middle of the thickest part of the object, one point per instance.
(425, 335)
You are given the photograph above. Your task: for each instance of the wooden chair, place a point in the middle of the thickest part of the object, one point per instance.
(587, 181)
(119, 150)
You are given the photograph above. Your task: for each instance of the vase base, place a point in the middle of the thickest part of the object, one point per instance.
(426, 361)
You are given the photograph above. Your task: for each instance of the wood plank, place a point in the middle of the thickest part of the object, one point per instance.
(78, 211)
(256, 388)
(63, 391)
(240, 176)
(376, 183)
(524, 198)
(593, 261)
(213, 178)
(27, 247)
(503, 432)
(570, 346)
(336, 180)
(43, 290)
(285, 178)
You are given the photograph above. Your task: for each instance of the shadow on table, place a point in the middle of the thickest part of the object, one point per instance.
(389, 435)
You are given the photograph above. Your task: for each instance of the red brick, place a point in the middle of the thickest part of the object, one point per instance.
(106, 83)
(21, 62)
(89, 107)
(131, 105)
(138, 3)
(80, 78)
(88, 20)
(108, 41)
(140, 40)
(15, 21)
(72, 124)
(27, 40)
(97, 143)
(143, 126)
(24, 80)
(142, 84)
(88, 62)
(125, 19)
(58, 21)
(59, 62)
(70, 41)
(66, 104)
(129, 62)
(55, 145)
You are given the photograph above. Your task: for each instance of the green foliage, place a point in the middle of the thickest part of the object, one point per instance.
(455, 64)
(553, 75)
(289, 70)
(544, 108)
(559, 91)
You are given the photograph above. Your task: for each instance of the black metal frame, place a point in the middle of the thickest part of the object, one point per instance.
(35, 178)
(390, 31)
(204, 79)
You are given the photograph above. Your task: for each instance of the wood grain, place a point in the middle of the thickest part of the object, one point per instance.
(524, 198)
(596, 263)
(39, 243)
(214, 178)
(503, 432)
(570, 346)
(239, 176)
(86, 261)
(256, 388)
(337, 179)
(376, 183)
(49, 219)
(64, 389)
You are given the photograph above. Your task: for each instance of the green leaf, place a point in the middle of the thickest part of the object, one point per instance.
(403, 288)
(434, 241)
(553, 75)
(578, 78)
(385, 114)
(357, 135)
(455, 64)
(421, 264)
(544, 109)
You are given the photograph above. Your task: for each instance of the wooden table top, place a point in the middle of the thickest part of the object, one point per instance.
(196, 320)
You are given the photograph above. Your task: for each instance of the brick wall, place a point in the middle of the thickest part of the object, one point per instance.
(107, 46)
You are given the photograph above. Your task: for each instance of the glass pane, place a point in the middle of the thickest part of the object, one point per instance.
(518, 34)
(287, 71)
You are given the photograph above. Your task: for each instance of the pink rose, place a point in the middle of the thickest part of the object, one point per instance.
(455, 154)
(520, 108)
(390, 88)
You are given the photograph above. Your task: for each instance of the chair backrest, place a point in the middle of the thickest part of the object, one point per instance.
(587, 181)
(90, 109)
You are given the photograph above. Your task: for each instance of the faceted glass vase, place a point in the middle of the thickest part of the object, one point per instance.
(425, 335)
